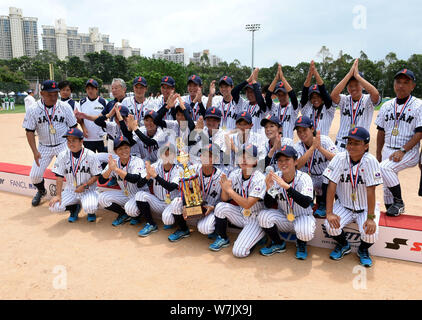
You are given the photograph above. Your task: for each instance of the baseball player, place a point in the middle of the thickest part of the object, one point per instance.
(273, 131)
(242, 194)
(315, 151)
(399, 125)
(129, 171)
(6, 102)
(29, 100)
(353, 176)
(92, 105)
(167, 90)
(66, 93)
(50, 119)
(291, 191)
(254, 103)
(81, 169)
(195, 99)
(316, 103)
(3, 103)
(118, 91)
(211, 191)
(138, 105)
(287, 109)
(228, 107)
(12, 103)
(356, 108)
(148, 138)
(165, 176)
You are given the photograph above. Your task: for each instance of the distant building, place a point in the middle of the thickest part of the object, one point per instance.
(18, 35)
(173, 54)
(199, 58)
(65, 42)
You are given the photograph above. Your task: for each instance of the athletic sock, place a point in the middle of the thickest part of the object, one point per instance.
(396, 192)
(181, 222)
(40, 186)
(71, 208)
(116, 208)
(341, 239)
(274, 235)
(364, 245)
(145, 210)
(221, 227)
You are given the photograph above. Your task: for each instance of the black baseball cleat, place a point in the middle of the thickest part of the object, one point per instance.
(396, 209)
(37, 199)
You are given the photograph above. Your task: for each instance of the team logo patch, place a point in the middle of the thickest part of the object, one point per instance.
(377, 175)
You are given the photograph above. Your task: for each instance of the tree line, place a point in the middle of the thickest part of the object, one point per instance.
(102, 66)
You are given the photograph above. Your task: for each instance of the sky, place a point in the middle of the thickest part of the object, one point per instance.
(291, 31)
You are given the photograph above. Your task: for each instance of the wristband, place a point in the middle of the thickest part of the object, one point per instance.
(371, 216)
(86, 186)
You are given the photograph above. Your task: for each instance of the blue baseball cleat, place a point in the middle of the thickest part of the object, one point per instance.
(168, 226)
(147, 230)
(74, 213)
(135, 221)
(340, 251)
(122, 218)
(301, 250)
(178, 235)
(219, 243)
(212, 236)
(91, 217)
(274, 248)
(321, 211)
(365, 258)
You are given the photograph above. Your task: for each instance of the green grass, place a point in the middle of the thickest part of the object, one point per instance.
(19, 108)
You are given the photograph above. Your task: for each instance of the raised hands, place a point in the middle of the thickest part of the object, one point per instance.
(200, 123)
(132, 123)
(112, 165)
(225, 183)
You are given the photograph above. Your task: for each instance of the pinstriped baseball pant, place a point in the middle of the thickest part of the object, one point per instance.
(158, 207)
(47, 154)
(251, 231)
(106, 198)
(303, 226)
(88, 200)
(347, 217)
(390, 169)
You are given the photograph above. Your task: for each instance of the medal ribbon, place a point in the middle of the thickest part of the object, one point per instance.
(396, 119)
(195, 108)
(251, 109)
(50, 119)
(315, 120)
(168, 176)
(247, 188)
(353, 179)
(74, 167)
(311, 160)
(354, 113)
(206, 191)
(138, 113)
(290, 201)
(225, 112)
(127, 169)
(284, 114)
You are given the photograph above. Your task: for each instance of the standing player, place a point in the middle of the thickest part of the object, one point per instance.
(81, 169)
(166, 176)
(353, 177)
(228, 107)
(399, 125)
(138, 105)
(29, 100)
(129, 172)
(242, 194)
(316, 103)
(50, 119)
(356, 109)
(66, 93)
(12, 102)
(315, 152)
(195, 99)
(6, 102)
(211, 191)
(92, 105)
(286, 110)
(167, 90)
(291, 190)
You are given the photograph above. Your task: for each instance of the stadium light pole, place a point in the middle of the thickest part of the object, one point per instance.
(253, 27)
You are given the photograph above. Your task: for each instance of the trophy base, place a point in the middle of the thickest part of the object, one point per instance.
(195, 211)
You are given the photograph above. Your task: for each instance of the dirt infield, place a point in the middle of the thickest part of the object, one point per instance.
(102, 262)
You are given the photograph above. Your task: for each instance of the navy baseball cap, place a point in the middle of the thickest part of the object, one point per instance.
(74, 132)
(91, 82)
(353, 78)
(251, 149)
(124, 111)
(140, 80)
(280, 87)
(226, 80)
(120, 141)
(168, 81)
(195, 79)
(358, 133)
(287, 151)
(313, 89)
(244, 116)
(250, 85)
(211, 148)
(212, 112)
(304, 122)
(50, 86)
(179, 109)
(407, 73)
(270, 118)
(151, 113)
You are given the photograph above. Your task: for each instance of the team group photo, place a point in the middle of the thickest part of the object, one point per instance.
(243, 182)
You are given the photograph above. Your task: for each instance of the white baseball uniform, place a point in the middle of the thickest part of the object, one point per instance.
(229, 110)
(251, 232)
(51, 143)
(92, 108)
(284, 142)
(29, 102)
(287, 117)
(365, 174)
(148, 153)
(409, 121)
(304, 222)
(195, 107)
(77, 171)
(321, 120)
(357, 113)
(138, 110)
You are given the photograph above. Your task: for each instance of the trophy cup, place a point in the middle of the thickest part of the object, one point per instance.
(190, 186)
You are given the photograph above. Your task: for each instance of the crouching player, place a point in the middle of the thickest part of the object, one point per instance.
(353, 176)
(211, 191)
(292, 191)
(128, 172)
(242, 194)
(81, 169)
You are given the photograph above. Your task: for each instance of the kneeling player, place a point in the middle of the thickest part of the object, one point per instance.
(242, 194)
(353, 176)
(128, 172)
(211, 191)
(81, 169)
(292, 191)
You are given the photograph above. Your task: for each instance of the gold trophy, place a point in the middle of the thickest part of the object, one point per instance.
(190, 186)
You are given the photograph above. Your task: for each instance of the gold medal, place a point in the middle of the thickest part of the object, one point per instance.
(247, 212)
(224, 128)
(395, 131)
(291, 216)
(126, 193)
(74, 183)
(52, 129)
(353, 196)
(353, 126)
(168, 199)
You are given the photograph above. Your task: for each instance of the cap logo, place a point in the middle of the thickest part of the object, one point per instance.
(269, 116)
(151, 112)
(166, 79)
(53, 85)
(213, 110)
(404, 71)
(225, 78)
(243, 114)
(140, 79)
(121, 138)
(250, 83)
(315, 86)
(71, 131)
(284, 148)
(249, 146)
(193, 77)
(91, 81)
(299, 120)
(355, 130)
(280, 85)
